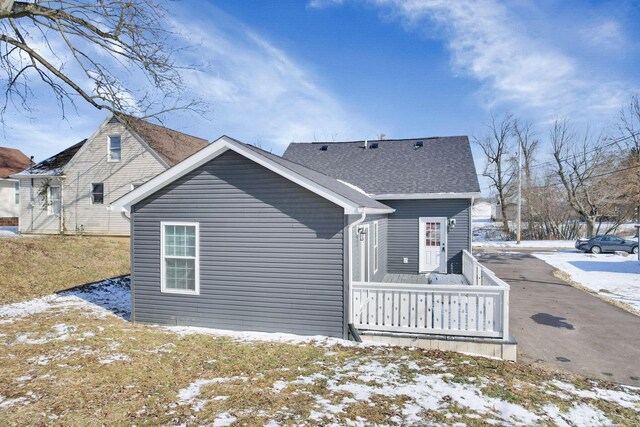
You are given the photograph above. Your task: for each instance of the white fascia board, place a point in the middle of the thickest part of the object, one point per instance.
(214, 150)
(24, 176)
(419, 196)
(375, 211)
(9, 180)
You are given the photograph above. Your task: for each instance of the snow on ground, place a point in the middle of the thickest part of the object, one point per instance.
(610, 275)
(247, 336)
(559, 244)
(109, 296)
(8, 231)
(360, 379)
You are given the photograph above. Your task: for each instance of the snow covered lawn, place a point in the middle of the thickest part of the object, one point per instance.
(74, 359)
(559, 244)
(610, 275)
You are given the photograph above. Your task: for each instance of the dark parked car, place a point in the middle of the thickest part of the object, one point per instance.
(599, 244)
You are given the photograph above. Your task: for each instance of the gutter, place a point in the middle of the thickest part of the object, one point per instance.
(350, 275)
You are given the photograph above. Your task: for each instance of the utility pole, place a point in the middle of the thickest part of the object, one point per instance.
(519, 191)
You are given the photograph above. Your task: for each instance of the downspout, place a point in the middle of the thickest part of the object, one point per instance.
(62, 204)
(351, 227)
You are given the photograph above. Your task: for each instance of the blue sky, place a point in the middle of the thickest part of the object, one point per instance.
(279, 71)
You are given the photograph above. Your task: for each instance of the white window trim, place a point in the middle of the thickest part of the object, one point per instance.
(109, 159)
(16, 194)
(91, 194)
(163, 287)
(376, 247)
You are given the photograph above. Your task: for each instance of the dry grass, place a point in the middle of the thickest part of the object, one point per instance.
(64, 380)
(37, 266)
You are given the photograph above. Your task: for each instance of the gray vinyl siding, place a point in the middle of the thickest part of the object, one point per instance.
(271, 252)
(376, 276)
(403, 231)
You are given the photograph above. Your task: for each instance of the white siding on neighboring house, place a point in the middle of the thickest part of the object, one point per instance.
(91, 166)
(8, 206)
(34, 214)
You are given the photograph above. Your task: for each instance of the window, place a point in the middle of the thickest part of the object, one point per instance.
(115, 148)
(97, 193)
(16, 193)
(180, 258)
(53, 200)
(375, 246)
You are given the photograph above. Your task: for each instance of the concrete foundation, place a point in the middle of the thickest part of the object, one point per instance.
(500, 349)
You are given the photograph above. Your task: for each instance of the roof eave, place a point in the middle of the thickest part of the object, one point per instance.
(217, 148)
(426, 196)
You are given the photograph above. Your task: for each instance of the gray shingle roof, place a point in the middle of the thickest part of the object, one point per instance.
(441, 165)
(332, 184)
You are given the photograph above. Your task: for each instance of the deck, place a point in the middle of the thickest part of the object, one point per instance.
(474, 304)
(425, 279)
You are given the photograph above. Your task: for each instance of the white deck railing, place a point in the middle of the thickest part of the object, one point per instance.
(480, 309)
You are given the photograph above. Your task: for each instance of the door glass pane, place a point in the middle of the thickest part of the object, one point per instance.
(54, 194)
(432, 234)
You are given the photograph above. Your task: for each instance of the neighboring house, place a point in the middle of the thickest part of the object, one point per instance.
(11, 161)
(237, 238)
(70, 192)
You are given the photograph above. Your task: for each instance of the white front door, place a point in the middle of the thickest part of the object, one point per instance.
(363, 246)
(433, 244)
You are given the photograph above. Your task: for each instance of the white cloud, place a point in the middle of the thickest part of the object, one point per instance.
(606, 34)
(489, 43)
(320, 4)
(259, 93)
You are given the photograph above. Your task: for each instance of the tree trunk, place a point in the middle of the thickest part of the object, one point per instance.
(591, 225)
(505, 219)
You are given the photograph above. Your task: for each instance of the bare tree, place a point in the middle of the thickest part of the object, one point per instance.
(91, 51)
(497, 147)
(629, 132)
(579, 162)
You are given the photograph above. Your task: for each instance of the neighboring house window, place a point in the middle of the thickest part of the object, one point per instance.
(375, 246)
(53, 199)
(97, 193)
(180, 253)
(16, 193)
(115, 148)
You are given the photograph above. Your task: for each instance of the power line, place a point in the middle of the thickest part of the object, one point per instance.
(587, 178)
(551, 162)
(614, 142)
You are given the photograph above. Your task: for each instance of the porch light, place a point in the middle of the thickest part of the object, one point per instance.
(361, 234)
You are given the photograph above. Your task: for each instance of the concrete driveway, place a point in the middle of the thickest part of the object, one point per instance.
(561, 326)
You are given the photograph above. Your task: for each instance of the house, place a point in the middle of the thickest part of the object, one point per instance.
(336, 239)
(70, 192)
(11, 161)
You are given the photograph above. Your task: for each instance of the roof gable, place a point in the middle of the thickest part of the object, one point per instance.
(167, 145)
(441, 165)
(341, 194)
(172, 146)
(12, 161)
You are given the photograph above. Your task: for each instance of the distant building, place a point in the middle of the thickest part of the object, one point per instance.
(11, 161)
(69, 193)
